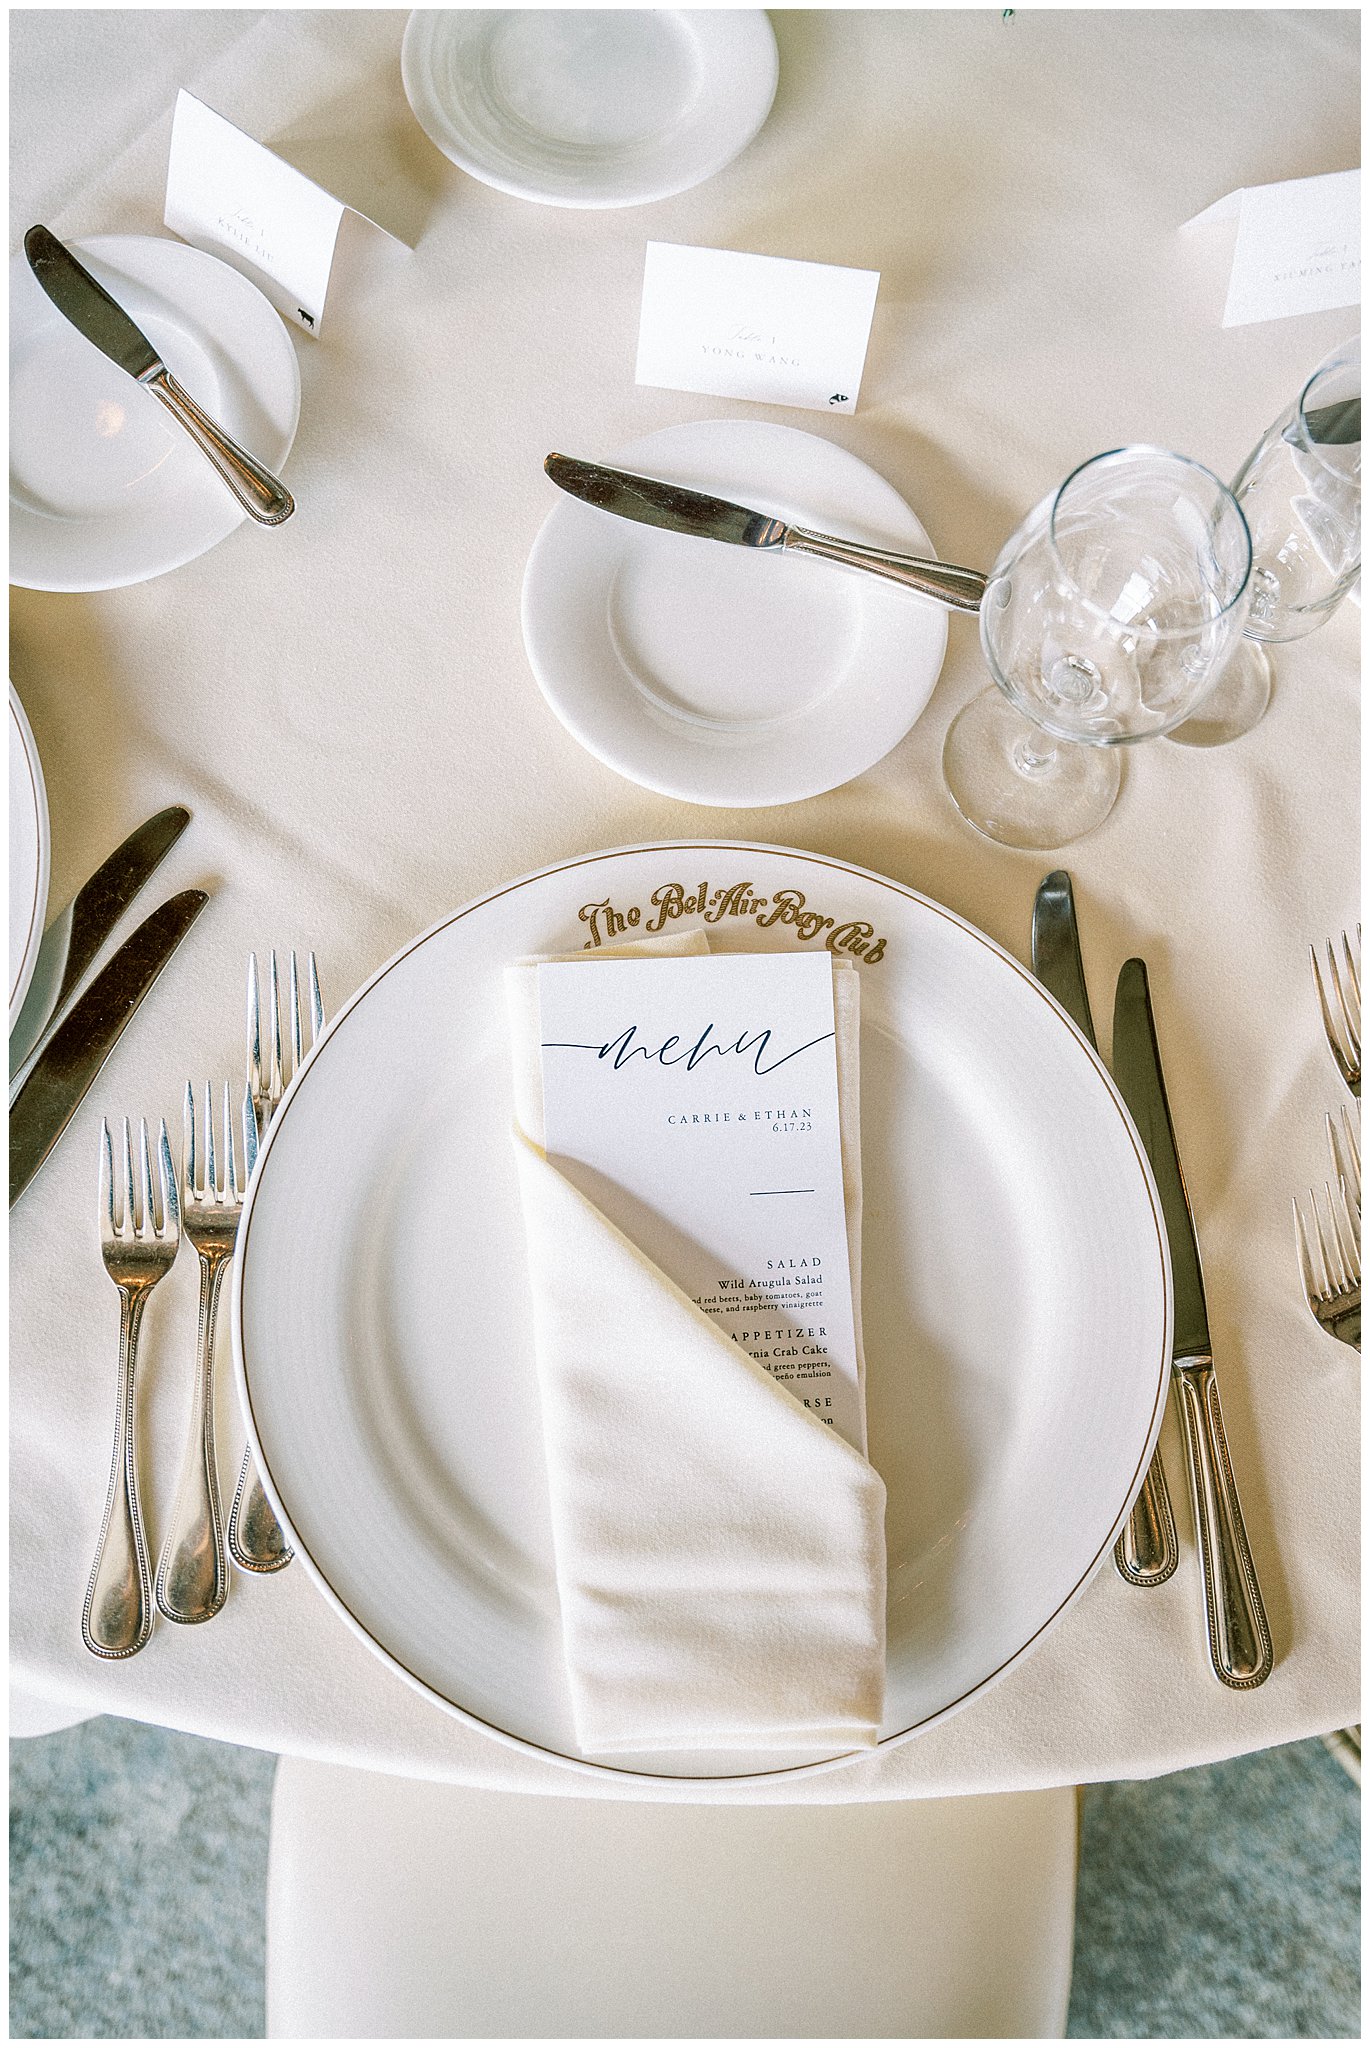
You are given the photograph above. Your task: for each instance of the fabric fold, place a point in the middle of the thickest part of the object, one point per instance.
(720, 1551)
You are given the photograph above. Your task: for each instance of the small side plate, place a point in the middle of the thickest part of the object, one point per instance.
(105, 488)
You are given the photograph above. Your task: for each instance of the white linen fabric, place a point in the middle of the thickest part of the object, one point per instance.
(720, 1552)
(346, 706)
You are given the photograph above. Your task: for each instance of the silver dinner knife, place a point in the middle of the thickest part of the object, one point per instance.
(1239, 1646)
(1147, 1551)
(77, 933)
(88, 1034)
(102, 320)
(678, 510)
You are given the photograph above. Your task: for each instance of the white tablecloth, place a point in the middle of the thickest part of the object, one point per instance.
(347, 708)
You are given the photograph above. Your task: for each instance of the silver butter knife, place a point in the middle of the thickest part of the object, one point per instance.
(92, 312)
(88, 1034)
(77, 933)
(1147, 1551)
(678, 510)
(1239, 1646)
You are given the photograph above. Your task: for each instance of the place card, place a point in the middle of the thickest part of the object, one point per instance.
(1297, 247)
(228, 194)
(761, 327)
(694, 1101)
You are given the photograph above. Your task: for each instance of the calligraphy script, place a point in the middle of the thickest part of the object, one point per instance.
(608, 921)
(672, 1052)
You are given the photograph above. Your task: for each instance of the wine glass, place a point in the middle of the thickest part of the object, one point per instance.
(1300, 490)
(1105, 620)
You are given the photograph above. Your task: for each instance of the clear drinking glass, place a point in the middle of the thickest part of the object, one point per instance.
(1300, 490)
(1105, 620)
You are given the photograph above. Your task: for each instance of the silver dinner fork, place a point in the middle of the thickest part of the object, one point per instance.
(1341, 1007)
(137, 1250)
(192, 1571)
(256, 1540)
(1329, 1260)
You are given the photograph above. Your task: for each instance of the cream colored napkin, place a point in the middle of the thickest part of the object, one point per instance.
(720, 1552)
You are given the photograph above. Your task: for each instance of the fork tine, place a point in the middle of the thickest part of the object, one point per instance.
(250, 1134)
(130, 1222)
(254, 1028)
(1353, 969)
(150, 1226)
(189, 1163)
(296, 1020)
(171, 1210)
(231, 1189)
(1322, 1273)
(211, 1169)
(315, 1001)
(1310, 1284)
(276, 1081)
(107, 1225)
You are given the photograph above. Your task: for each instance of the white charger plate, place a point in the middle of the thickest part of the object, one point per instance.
(582, 106)
(105, 488)
(729, 675)
(30, 848)
(1016, 1306)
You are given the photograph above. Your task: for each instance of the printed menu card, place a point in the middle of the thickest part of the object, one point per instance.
(694, 1101)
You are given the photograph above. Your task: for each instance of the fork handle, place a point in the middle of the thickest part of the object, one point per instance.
(256, 1540)
(192, 1572)
(1239, 1647)
(117, 1617)
(1147, 1552)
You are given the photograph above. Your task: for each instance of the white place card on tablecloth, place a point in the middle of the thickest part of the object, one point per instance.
(694, 1101)
(768, 328)
(1297, 248)
(232, 196)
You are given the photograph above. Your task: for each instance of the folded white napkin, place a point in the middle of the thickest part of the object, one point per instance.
(720, 1552)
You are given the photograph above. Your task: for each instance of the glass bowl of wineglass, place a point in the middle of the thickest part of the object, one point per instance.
(1107, 617)
(1300, 490)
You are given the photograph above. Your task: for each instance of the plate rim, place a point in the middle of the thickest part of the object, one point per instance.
(584, 1765)
(105, 246)
(678, 789)
(43, 876)
(757, 24)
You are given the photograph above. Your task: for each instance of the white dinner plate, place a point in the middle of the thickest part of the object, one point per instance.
(30, 847)
(1016, 1302)
(732, 675)
(582, 106)
(105, 488)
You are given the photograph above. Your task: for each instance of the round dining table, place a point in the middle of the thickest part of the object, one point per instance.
(347, 708)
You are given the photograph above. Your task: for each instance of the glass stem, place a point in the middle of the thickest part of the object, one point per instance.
(1034, 756)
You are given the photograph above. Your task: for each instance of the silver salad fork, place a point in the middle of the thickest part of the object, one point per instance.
(192, 1571)
(256, 1540)
(137, 1250)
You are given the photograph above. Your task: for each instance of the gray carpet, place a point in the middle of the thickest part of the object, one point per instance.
(1220, 1903)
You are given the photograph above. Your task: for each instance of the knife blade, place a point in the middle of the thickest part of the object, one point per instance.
(1056, 960)
(1147, 1552)
(76, 935)
(88, 1034)
(677, 509)
(83, 301)
(1239, 1646)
